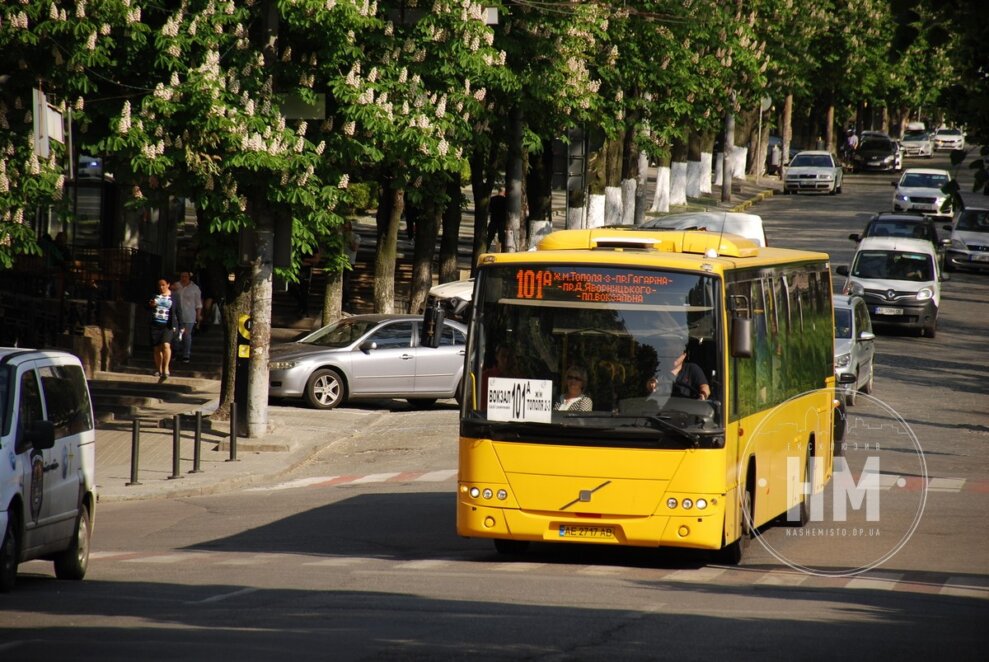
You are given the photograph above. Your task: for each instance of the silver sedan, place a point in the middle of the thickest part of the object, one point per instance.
(368, 357)
(814, 171)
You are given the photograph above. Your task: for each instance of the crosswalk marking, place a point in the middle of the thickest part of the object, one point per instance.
(373, 478)
(876, 582)
(776, 578)
(602, 570)
(437, 475)
(695, 575)
(159, 558)
(520, 566)
(965, 587)
(945, 484)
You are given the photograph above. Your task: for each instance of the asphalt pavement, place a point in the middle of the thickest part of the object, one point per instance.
(295, 435)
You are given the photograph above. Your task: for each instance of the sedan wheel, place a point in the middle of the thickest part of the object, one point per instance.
(325, 389)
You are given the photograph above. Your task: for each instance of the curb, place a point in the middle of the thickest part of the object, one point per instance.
(742, 206)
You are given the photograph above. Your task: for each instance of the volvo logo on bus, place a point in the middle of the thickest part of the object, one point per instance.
(585, 495)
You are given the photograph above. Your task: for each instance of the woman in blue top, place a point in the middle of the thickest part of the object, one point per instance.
(164, 323)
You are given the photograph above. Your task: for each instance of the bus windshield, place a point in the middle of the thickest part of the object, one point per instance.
(563, 353)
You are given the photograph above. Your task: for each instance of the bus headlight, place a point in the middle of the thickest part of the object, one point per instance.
(671, 503)
(487, 493)
(502, 495)
(474, 492)
(701, 504)
(688, 504)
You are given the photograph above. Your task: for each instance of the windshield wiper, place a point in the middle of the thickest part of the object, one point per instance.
(663, 423)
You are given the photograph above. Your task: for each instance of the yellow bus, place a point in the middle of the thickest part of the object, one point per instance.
(645, 388)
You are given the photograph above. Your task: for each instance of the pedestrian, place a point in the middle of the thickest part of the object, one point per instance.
(352, 242)
(164, 325)
(498, 218)
(190, 312)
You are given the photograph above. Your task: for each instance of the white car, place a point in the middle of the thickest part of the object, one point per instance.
(745, 225)
(917, 144)
(854, 347)
(949, 139)
(919, 189)
(815, 171)
(899, 279)
(969, 243)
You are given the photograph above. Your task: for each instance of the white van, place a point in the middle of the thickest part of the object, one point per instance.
(900, 280)
(47, 458)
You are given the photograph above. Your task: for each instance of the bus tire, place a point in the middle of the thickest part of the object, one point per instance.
(511, 547)
(734, 553)
(803, 516)
(73, 562)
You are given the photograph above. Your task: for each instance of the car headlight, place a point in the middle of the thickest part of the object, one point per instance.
(842, 360)
(826, 176)
(280, 365)
(899, 197)
(888, 159)
(924, 293)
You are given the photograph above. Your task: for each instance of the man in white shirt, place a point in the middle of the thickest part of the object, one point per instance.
(190, 300)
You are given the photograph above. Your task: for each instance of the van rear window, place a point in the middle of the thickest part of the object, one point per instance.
(67, 399)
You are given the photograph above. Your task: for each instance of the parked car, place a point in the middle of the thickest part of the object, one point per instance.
(900, 281)
(949, 139)
(47, 476)
(913, 225)
(454, 298)
(815, 171)
(917, 144)
(874, 153)
(854, 347)
(968, 246)
(369, 357)
(746, 225)
(919, 189)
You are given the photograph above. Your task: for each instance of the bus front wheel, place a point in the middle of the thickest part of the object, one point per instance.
(732, 554)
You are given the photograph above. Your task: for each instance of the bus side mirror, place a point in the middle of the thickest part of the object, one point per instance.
(741, 337)
(432, 326)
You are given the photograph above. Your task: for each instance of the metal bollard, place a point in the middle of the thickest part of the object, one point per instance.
(197, 454)
(233, 432)
(135, 451)
(176, 438)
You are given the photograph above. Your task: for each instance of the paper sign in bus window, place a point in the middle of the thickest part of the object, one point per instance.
(529, 400)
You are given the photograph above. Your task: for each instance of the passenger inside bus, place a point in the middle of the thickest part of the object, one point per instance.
(678, 377)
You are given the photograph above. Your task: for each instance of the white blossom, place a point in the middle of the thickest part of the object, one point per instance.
(344, 181)
(349, 128)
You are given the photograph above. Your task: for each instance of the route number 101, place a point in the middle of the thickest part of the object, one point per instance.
(531, 283)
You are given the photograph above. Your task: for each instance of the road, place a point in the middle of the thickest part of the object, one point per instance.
(355, 556)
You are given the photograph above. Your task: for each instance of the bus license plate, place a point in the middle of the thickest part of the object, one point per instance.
(880, 310)
(586, 532)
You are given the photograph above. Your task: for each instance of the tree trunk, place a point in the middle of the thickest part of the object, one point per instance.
(257, 382)
(422, 260)
(829, 139)
(678, 173)
(481, 184)
(695, 173)
(450, 240)
(235, 303)
(661, 196)
(642, 179)
(787, 128)
(333, 295)
(386, 251)
(727, 165)
(513, 181)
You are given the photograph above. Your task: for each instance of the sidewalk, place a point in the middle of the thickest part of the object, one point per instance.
(296, 433)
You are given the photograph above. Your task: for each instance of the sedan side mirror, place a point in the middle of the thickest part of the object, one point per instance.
(855, 237)
(867, 335)
(893, 184)
(368, 345)
(842, 270)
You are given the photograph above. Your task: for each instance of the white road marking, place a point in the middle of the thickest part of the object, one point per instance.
(521, 566)
(965, 587)
(373, 478)
(883, 582)
(161, 558)
(338, 561)
(601, 570)
(775, 578)
(437, 475)
(292, 484)
(696, 575)
(422, 564)
(945, 484)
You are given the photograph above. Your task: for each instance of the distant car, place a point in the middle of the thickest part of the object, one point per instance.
(949, 139)
(746, 225)
(898, 158)
(814, 171)
(968, 246)
(89, 167)
(854, 347)
(454, 297)
(899, 280)
(917, 144)
(920, 189)
(912, 225)
(369, 357)
(875, 153)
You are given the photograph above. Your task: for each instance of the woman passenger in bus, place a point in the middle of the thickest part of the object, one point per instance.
(573, 398)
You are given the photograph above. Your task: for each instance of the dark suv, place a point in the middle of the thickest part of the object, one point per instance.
(900, 224)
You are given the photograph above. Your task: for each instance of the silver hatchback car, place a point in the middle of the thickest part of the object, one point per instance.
(369, 357)
(854, 347)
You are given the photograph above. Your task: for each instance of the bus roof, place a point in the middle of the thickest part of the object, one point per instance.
(682, 249)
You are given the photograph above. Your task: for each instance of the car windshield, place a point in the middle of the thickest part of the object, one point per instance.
(592, 349)
(877, 145)
(811, 161)
(339, 334)
(973, 220)
(842, 323)
(891, 228)
(949, 132)
(893, 265)
(923, 180)
(915, 137)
